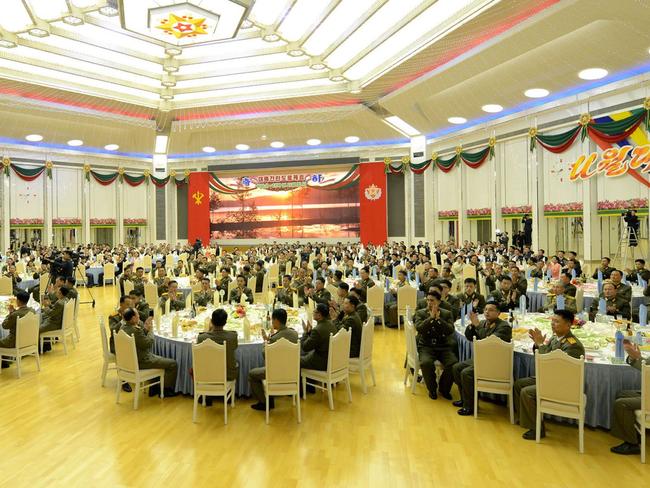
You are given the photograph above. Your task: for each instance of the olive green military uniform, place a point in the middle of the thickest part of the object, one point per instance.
(202, 298)
(614, 306)
(365, 284)
(138, 284)
(322, 296)
(285, 296)
(434, 344)
(176, 304)
(236, 294)
(9, 323)
(315, 345)
(146, 358)
(143, 309)
(160, 283)
(464, 299)
(114, 324)
(52, 316)
(606, 272)
(569, 303)
(525, 391)
(623, 416)
(362, 311)
(503, 302)
(624, 291)
(463, 372)
(352, 322)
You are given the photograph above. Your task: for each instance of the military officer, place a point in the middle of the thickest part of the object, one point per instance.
(15, 278)
(519, 282)
(52, 313)
(435, 326)
(285, 293)
(139, 304)
(615, 304)
(471, 296)
(559, 290)
(241, 290)
(9, 323)
(365, 282)
(604, 268)
(175, 299)
(362, 308)
(349, 319)
(139, 279)
(161, 281)
(224, 281)
(315, 341)
(639, 271)
(257, 375)
(259, 273)
(524, 396)
(623, 290)
(464, 371)
(73, 294)
(506, 297)
(204, 296)
(320, 294)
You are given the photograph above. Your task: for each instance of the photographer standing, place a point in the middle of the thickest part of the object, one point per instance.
(632, 222)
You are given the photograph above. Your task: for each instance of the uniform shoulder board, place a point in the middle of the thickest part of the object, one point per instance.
(165, 294)
(571, 340)
(114, 314)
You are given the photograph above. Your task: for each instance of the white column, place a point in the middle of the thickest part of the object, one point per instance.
(496, 198)
(119, 221)
(48, 201)
(6, 213)
(430, 205)
(409, 206)
(591, 223)
(463, 221)
(172, 225)
(536, 185)
(85, 209)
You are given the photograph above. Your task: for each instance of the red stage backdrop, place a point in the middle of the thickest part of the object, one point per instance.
(198, 208)
(372, 200)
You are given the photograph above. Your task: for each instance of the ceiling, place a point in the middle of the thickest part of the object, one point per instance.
(103, 83)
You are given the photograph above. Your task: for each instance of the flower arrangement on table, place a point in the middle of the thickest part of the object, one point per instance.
(135, 221)
(102, 221)
(479, 211)
(563, 207)
(66, 221)
(448, 213)
(239, 311)
(25, 221)
(521, 209)
(623, 204)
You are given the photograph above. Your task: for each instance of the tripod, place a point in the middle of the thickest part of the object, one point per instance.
(629, 237)
(84, 280)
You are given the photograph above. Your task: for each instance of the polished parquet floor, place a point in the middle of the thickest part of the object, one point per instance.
(60, 428)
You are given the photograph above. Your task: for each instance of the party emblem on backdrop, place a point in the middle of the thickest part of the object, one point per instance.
(198, 197)
(373, 192)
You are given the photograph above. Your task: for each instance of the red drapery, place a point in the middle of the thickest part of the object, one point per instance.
(198, 208)
(372, 203)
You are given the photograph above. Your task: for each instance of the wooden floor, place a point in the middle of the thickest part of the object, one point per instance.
(60, 428)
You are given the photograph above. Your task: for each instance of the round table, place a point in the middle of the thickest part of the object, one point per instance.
(184, 285)
(95, 271)
(27, 282)
(4, 302)
(603, 379)
(537, 299)
(249, 354)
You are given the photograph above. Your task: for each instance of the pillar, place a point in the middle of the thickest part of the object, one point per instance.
(85, 209)
(48, 205)
(119, 218)
(172, 225)
(463, 221)
(5, 191)
(496, 198)
(591, 234)
(536, 185)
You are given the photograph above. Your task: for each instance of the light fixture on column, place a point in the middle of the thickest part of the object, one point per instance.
(168, 80)
(294, 50)
(316, 63)
(166, 94)
(40, 29)
(173, 51)
(170, 65)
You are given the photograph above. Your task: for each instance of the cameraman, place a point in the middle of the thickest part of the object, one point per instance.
(633, 223)
(63, 266)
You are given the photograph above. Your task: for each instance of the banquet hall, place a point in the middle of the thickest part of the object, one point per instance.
(324, 242)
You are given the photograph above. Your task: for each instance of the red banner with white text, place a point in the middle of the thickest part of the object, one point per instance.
(372, 203)
(198, 208)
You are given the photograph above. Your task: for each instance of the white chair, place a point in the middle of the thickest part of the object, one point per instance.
(412, 359)
(580, 300)
(560, 389)
(80, 275)
(128, 286)
(6, 286)
(210, 375)
(493, 359)
(282, 360)
(363, 363)
(375, 303)
(128, 370)
(26, 342)
(338, 364)
(147, 262)
(20, 267)
(109, 273)
(287, 269)
(216, 297)
(273, 273)
(66, 330)
(151, 294)
(643, 415)
(75, 322)
(169, 261)
(108, 356)
(252, 283)
(43, 280)
(407, 298)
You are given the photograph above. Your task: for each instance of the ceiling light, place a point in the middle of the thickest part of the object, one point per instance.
(536, 93)
(277, 144)
(456, 120)
(108, 11)
(246, 24)
(316, 63)
(173, 51)
(271, 37)
(38, 32)
(7, 44)
(313, 142)
(401, 126)
(295, 53)
(34, 137)
(242, 147)
(166, 94)
(75, 142)
(111, 147)
(492, 108)
(593, 73)
(168, 80)
(209, 149)
(161, 144)
(303, 14)
(73, 20)
(351, 139)
(336, 77)
(170, 65)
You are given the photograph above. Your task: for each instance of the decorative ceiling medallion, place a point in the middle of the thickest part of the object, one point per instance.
(183, 26)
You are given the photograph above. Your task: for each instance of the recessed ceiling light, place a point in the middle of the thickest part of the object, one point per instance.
(317, 66)
(313, 142)
(352, 139)
(111, 147)
(492, 108)
(296, 53)
(6, 43)
(209, 149)
(73, 20)
(242, 147)
(277, 144)
(75, 142)
(173, 51)
(38, 32)
(271, 37)
(337, 78)
(456, 120)
(536, 93)
(166, 96)
(593, 73)
(34, 137)
(108, 11)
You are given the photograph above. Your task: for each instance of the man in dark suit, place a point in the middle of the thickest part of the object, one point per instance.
(604, 268)
(256, 375)
(241, 290)
(464, 371)
(349, 319)
(221, 336)
(315, 341)
(52, 313)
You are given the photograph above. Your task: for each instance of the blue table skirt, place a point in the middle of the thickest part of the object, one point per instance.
(602, 381)
(537, 299)
(27, 284)
(248, 356)
(94, 272)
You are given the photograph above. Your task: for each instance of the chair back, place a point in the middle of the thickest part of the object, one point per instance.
(411, 344)
(20, 267)
(102, 333)
(229, 290)
(481, 284)
(151, 294)
(196, 287)
(252, 283)
(169, 261)
(339, 351)
(68, 315)
(311, 305)
(168, 304)
(265, 283)
(580, 299)
(367, 336)
(27, 331)
(6, 286)
(209, 362)
(333, 291)
(560, 378)
(493, 359)
(469, 271)
(146, 262)
(645, 390)
(419, 269)
(126, 356)
(282, 362)
(287, 269)
(188, 301)
(216, 297)
(109, 271)
(128, 287)
(43, 280)
(407, 296)
(273, 273)
(375, 298)
(296, 302)
(80, 273)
